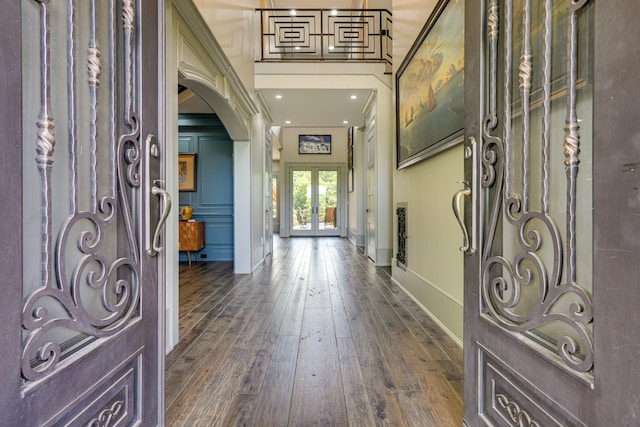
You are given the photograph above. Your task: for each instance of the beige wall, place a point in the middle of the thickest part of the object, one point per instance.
(435, 265)
(233, 23)
(289, 153)
(409, 16)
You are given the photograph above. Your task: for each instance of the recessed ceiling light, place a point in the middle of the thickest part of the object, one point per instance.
(288, 122)
(334, 12)
(344, 122)
(278, 96)
(292, 12)
(297, 48)
(331, 47)
(354, 96)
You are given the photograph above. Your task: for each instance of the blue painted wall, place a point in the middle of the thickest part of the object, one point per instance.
(213, 201)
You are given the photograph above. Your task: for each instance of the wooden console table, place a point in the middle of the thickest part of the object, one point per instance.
(191, 237)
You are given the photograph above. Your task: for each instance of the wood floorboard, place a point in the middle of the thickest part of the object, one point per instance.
(274, 399)
(316, 336)
(318, 373)
(359, 411)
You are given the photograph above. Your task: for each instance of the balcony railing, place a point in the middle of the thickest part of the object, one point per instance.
(339, 35)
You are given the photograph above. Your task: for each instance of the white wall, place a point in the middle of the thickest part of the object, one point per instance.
(357, 198)
(258, 153)
(171, 152)
(384, 176)
(195, 58)
(434, 276)
(233, 24)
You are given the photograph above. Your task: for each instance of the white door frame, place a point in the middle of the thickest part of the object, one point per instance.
(341, 214)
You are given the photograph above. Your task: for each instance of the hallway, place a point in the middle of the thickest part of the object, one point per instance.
(316, 336)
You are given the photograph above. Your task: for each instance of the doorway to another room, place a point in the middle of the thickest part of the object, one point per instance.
(315, 201)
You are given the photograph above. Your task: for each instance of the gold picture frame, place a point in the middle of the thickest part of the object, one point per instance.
(187, 171)
(430, 87)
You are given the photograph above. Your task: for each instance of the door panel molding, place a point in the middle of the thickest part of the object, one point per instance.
(508, 398)
(111, 401)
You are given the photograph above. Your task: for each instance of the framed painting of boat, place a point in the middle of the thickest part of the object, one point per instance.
(430, 87)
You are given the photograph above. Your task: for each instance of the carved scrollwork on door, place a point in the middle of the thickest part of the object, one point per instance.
(109, 416)
(90, 280)
(514, 413)
(530, 283)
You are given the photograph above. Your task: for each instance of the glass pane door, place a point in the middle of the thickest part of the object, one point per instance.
(315, 195)
(327, 199)
(301, 204)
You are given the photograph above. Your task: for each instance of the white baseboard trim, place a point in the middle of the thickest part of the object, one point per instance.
(259, 264)
(442, 309)
(384, 257)
(356, 239)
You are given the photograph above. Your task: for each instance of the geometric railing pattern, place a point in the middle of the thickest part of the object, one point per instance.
(363, 35)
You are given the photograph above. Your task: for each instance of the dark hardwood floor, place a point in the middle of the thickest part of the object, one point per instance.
(318, 336)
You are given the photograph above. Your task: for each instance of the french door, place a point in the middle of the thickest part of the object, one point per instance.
(83, 206)
(551, 271)
(314, 202)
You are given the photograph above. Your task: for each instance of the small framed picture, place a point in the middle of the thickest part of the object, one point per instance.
(187, 171)
(314, 144)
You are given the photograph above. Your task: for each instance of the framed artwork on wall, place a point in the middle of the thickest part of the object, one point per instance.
(430, 87)
(314, 144)
(187, 171)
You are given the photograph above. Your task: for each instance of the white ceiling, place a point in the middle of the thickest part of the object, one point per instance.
(316, 107)
(337, 4)
(302, 107)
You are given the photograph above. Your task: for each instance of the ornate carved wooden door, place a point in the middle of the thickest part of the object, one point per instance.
(552, 271)
(81, 205)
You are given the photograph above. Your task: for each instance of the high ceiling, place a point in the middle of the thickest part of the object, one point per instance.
(300, 107)
(303, 107)
(316, 107)
(338, 4)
